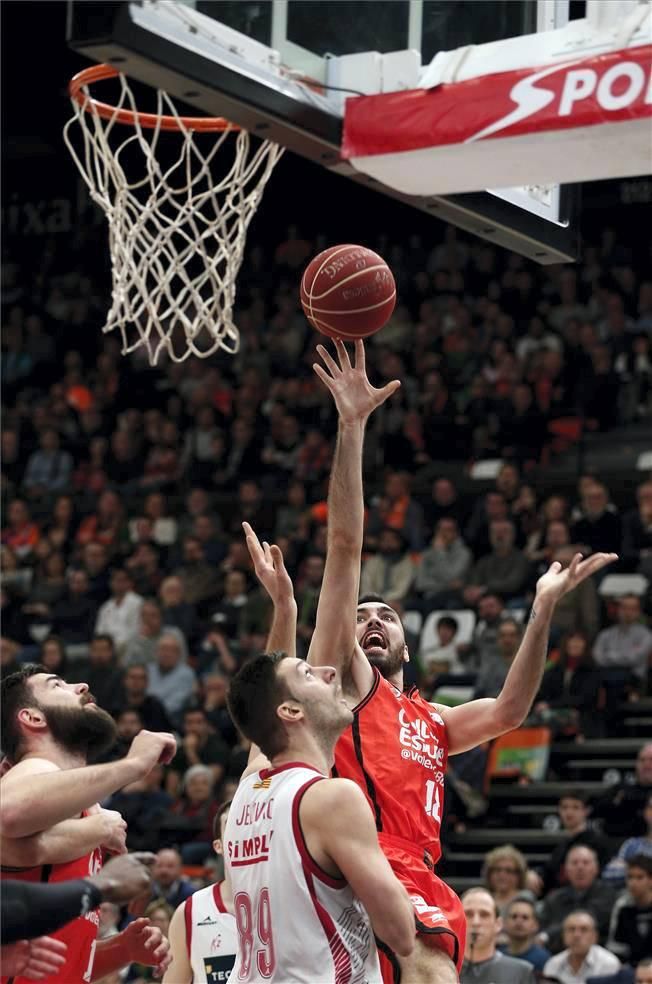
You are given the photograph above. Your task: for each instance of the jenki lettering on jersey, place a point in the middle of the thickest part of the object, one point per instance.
(254, 848)
(253, 812)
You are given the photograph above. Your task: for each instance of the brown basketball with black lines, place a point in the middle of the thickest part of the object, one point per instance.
(348, 292)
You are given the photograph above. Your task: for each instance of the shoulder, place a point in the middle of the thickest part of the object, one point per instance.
(29, 767)
(328, 801)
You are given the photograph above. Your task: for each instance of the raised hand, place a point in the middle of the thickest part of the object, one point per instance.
(149, 748)
(269, 567)
(555, 583)
(355, 397)
(145, 944)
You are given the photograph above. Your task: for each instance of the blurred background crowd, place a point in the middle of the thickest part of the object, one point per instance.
(123, 561)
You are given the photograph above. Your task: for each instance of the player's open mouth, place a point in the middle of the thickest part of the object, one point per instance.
(374, 640)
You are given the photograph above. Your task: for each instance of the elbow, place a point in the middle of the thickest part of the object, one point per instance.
(401, 939)
(509, 715)
(12, 820)
(399, 930)
(405, 944)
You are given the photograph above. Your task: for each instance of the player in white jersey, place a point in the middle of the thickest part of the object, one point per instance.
(202, 933)
(310, 884)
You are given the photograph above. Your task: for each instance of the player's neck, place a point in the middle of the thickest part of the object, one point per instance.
(52, 752)
(310, 752)
(396, 679)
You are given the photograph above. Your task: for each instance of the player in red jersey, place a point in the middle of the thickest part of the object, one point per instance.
(49, 730)
(398, 745)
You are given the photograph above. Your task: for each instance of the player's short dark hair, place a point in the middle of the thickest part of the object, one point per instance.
(217, 819)
(642, 861)
(255, 692)
(448, 622)
(15, 694)
(575, 794)
(375, 599)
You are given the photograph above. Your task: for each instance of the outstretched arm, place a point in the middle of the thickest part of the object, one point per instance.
(28, 807)
(333, 641)
(272, 574)
(482, 720)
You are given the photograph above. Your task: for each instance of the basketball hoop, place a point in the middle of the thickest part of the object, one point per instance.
(176, 232)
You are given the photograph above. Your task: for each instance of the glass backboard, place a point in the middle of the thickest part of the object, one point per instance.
(168, 45)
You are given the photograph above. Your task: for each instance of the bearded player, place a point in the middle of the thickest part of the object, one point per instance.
(397, 748)
(49, 731)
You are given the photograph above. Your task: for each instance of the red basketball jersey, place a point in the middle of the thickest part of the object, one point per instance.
(396, 751)
(80, 935)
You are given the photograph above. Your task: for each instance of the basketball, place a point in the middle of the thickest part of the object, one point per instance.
(348, 292)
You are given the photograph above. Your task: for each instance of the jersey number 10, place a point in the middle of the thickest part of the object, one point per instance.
(254, 922)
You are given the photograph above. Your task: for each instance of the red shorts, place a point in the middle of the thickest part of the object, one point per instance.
(438, 912)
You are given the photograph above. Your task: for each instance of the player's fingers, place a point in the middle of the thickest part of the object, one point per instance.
(596, 562)
(267, 552)
(323, 375)
(387, 391)
(343, 354)
(49, 965)
(159, 953)
(35, 972)
(49, 945)
(574, 564)
(253, 543)
(329, 360)
(554, 568)
(360, 357)
(277, 557)
(145, 858)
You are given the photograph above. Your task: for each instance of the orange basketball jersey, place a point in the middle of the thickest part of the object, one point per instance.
(396, 751)
(81, 934)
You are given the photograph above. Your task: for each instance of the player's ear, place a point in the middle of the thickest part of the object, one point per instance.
(217, 846)
(32, 718)
(406, 654)
(290, 711)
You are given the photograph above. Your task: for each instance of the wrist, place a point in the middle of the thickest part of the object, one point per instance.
(286, 605)
(133, 767)
(355, 427)
(103, 888)
(542, 609)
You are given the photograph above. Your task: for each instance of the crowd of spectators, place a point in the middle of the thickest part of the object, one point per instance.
(124, 488)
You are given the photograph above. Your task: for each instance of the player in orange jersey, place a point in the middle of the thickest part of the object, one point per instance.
(398, 745)
(49, 730)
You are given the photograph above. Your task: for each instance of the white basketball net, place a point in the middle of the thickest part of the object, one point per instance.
(176, 232)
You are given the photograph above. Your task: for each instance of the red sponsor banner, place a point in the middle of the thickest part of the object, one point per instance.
(574, 93)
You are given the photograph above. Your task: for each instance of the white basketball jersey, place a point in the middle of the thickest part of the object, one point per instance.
(296, 923)
(211, 936)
